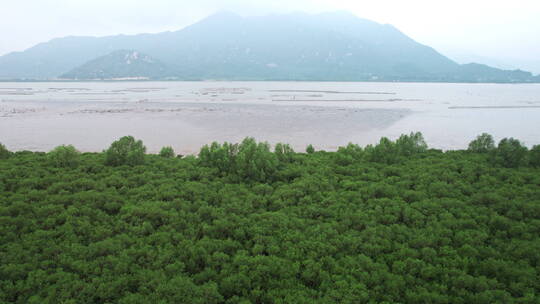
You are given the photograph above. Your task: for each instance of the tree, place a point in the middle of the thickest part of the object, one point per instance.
(510, 153)
(64, 156)
(248, 160)
(4, 153)
(310, 149)
(255, 161)
(384, 152)
(534, 156)
(349, 154)
(284, 152)
(389, 152)
(407, 145)
(125, 151)
(222, 157)
(167, 152)
(482, 144)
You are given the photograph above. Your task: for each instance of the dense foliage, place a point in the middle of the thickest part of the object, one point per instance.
(391, 223)
(167, 152)
(534, 157)
(510, 153)
(482, 144)
(4, 152)
(125, 151)
(64, 156)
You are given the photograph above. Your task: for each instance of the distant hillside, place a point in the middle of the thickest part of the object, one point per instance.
(120, 64)
(331, 46)
(474, 72)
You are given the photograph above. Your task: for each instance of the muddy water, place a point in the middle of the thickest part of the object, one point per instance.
(187, 115)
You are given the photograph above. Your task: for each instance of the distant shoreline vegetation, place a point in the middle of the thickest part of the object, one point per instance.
(251, 80)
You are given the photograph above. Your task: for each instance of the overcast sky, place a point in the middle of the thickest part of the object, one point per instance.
(501, 30)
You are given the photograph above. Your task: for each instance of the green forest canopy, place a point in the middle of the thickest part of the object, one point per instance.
(394, 222)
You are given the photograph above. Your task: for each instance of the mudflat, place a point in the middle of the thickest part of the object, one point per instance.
(187, 115)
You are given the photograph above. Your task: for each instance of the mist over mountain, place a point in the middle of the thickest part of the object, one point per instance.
(331, 46)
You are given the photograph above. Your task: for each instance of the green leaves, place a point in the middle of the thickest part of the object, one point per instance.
(125, 151)
(255, 162)
(408, 145)
(4, 153)
(244, 224)
(167, 152)
(389, 152)
(284, 152)
(249, 160)
(482, 144)
(534, 156)
(221, 157)
(510, 153)
(64, 157)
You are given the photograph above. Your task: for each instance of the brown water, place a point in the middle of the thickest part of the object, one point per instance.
(187, 115)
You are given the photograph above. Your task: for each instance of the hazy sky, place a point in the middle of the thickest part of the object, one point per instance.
(503, 30)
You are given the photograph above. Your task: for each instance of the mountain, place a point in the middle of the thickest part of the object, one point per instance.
(121, 64)
(331, 46)
(474, 72)
(532, 64)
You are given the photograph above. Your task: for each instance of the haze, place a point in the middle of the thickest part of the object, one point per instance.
(504, 34)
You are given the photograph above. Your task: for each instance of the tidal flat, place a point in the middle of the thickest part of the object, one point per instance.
(187, 115)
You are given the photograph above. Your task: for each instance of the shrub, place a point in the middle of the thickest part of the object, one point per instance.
(482, 144)
(167, 152)
(64, 156)
(125, 151)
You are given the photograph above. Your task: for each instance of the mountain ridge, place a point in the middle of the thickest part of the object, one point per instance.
(224, 46)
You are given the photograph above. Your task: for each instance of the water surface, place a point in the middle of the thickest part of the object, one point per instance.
(187, 115)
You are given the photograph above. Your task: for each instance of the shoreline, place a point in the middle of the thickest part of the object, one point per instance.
(256, 81)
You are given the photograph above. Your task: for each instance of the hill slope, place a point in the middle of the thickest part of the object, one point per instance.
(121, 64)
(330, 46)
